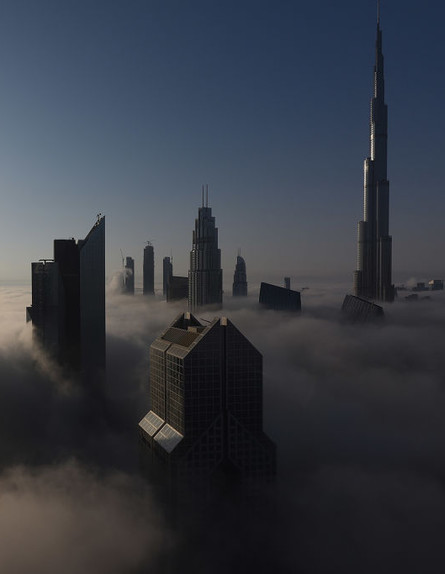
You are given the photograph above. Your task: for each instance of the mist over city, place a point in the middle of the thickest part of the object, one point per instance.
(222, 311)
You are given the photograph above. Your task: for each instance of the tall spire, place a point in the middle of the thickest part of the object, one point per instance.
(373, 276)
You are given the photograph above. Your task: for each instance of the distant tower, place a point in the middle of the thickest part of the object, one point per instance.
(239, 288)
(372, 279)
(129, 276)
(149, 270)
(206, 396)
(287, 282)
(205, 275)
(68, 303)
(167, 272)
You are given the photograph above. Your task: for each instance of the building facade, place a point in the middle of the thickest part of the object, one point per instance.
(149, 270)
(205, 275)
(372, 279)
(68, 303)
(239, 288)
(206, 417)
(167, 272)
(129, 276)
(279, 298)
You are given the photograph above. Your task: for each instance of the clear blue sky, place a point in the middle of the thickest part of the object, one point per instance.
(126, 107)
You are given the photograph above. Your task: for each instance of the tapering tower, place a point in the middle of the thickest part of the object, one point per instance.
(372, 279)
(205, 275)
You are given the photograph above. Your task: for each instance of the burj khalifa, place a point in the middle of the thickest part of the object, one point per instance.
(372, 279)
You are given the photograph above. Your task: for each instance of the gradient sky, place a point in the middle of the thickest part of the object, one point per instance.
(126, 107)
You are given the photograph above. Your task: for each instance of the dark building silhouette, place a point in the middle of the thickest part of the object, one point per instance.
(372, 279)
(129, 276)
(239, 288)
(206, 417)
(167, 272)
(68, 303)
(436, 284)
(177, 288)
(149, 270)
(205, 275)
(287, 282)
(358, 310)
(279, 298)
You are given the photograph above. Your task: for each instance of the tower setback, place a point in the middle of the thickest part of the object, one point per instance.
(372, 279)
(205, 275)
(239, 288)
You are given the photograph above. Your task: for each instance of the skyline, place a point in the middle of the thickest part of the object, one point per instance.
(128, 110)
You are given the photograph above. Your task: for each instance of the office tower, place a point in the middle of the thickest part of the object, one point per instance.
(205, 275)
(239, 288)
(287, 282)
(129, 276)
(372, 279)
(358, 310)
(167, 272)
(178, 288)
(206, 417)
(279, 298)
(68, 303)
(149, 270)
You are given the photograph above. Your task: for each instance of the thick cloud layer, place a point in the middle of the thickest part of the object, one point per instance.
(356, 412)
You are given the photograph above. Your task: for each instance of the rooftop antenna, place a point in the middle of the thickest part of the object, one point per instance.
(207, 195)
(378, 12)
(202, 195)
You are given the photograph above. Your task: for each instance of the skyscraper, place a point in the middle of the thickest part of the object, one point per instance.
(68, 303)
(206, 417)
(205, 275)
(149, 270)
(129, 276)
(372, 279)
(167, 272)
(239, 288)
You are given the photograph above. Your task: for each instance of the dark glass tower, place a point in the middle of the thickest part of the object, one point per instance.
(167, 272)
(68, 303)
(372, 279)
(129, 276)
(149, 270)
(239, 288)
(205, 275)
(206, 396)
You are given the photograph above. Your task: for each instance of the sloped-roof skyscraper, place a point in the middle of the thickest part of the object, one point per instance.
(206, 417)
(239, 288)
(68, 303)
(372, 279)
(205, 275)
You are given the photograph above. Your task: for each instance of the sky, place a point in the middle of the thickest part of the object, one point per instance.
(126, 108)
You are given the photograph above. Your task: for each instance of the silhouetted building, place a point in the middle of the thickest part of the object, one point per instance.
(279, 298)
(360, 310)
(167, 272)
(436, 285)
(287, 282)
(68, 303)
(177, 288)
(205, 275)
(149, 270)
(206, 396)
(129, 276)
(372, 279)
(239, 288)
